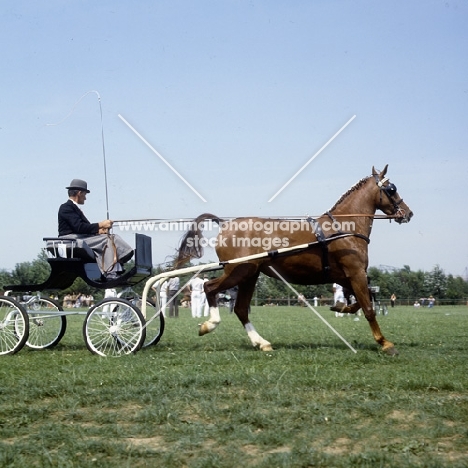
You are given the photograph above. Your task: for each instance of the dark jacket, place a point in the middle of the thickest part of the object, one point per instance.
(71, 220)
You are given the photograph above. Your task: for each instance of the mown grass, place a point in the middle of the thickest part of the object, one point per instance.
(214, 401)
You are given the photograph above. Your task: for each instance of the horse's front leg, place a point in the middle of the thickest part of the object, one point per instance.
(256, 339)
(360, 288)
(242, 308)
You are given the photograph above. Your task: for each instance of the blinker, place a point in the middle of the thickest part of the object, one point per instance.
(390, 190)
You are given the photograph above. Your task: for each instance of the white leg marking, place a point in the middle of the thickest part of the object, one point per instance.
(256, 339)
(211, 323)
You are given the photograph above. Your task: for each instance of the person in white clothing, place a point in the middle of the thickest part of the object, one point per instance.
(338, 298)
(196, 296)
(205, 306)
(110, 293)
(162, 297)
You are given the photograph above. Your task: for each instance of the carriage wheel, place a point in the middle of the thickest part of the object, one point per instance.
(14, 326)
(46, 325)
(154, 324)
(154, 319)
(114, 327)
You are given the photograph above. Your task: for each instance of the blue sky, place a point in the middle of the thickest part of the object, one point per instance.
(237, 96)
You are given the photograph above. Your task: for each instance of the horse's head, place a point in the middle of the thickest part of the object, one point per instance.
(389, 201)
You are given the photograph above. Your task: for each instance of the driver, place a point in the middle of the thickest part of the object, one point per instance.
(110, 250)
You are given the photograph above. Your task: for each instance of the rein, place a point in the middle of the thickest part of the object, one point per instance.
(353, 215)
(286, 218)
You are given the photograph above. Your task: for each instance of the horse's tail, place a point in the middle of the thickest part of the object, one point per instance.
(190, 245)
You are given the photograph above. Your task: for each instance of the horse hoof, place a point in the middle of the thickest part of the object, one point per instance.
(392, 351)
(339, 307)
(266, 347)
(203, 330)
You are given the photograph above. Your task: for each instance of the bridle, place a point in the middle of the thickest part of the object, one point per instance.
(390, 190)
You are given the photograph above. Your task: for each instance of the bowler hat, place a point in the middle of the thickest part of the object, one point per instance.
(78, 184)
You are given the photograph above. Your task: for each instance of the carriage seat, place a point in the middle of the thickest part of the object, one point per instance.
(58, 247)
(72, 258)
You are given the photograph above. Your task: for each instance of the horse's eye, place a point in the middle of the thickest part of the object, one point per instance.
(391, 189)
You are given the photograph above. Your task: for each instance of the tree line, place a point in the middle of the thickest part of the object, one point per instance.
(406, 284)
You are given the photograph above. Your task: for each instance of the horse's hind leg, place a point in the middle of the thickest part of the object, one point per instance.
(241, 309)
(231, 277)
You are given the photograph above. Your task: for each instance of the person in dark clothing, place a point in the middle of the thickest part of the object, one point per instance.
(110, 250)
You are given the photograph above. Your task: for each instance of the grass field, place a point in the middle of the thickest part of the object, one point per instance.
(214, 401)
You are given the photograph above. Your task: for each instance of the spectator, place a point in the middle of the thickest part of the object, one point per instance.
(339, 300)
(172, 290)
(162, 297)
(196, 296)
(206, 307)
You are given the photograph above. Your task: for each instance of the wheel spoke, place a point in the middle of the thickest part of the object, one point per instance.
(114, 327)
(14, 326)
(47, 325)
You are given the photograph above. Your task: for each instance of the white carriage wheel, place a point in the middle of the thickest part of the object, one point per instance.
(114, 327)
(46, 325)
(14, 326)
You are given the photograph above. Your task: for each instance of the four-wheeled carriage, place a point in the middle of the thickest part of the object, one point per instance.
(112, 327)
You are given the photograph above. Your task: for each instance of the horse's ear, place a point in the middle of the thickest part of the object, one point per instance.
(374, 172)
(382, 174)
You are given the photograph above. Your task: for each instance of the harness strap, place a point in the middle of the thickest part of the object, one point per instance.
(381, 183)
(362, 236)
(334, 221)
(323, 241)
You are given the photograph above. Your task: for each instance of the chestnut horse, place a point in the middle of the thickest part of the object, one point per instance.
(336, 252)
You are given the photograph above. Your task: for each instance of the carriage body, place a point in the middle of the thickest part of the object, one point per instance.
(112, 327)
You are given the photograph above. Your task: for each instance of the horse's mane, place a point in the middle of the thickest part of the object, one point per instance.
(355, 187)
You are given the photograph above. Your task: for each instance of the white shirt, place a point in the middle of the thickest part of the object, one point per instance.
(338, 288)
(196, 285)
(173, 284)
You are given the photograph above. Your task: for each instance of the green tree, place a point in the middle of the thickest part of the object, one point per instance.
(436, 282)
(33, 272)
(457, 288)
(5, 279)
(404, 283)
